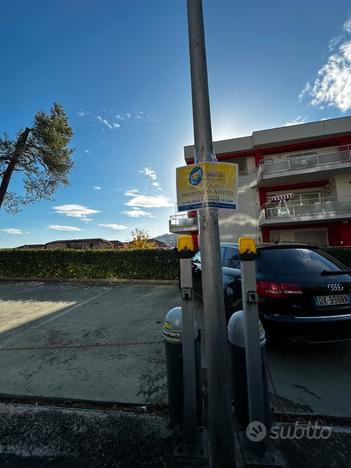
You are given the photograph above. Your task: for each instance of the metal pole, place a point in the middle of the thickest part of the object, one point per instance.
(219, 406)
(252, 343)
(188, 343)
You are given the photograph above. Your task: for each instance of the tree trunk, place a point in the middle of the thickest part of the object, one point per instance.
(20, 146)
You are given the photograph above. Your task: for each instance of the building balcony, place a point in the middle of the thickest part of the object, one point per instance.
(328, 209)
(183, 223)
(304, 167)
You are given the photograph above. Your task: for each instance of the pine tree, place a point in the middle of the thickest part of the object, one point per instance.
(41, 153)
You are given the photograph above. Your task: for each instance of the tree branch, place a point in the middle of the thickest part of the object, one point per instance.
(20, 145)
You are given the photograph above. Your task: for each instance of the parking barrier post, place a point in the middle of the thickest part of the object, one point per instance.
(236, 338)
(172, 334)
(186, 250)
(255, 388)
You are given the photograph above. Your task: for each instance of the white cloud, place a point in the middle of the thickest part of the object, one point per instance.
(297, 121)
(59, 227)
(108, 124)
(115, 227)
(75, 211)
(147, 201)
(114, 119)
(86, 220)
(13, 231)
(82, 113)
(137, 213)
(87, 151)
(334, 42)
(305, 91)
(332, 86)
(97, 187)
(104, 121)
(151, 174)
(347, 26)
(131, 192)
(140, 115)
(148, 172)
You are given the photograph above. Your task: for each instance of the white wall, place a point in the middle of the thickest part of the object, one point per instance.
(343, 185)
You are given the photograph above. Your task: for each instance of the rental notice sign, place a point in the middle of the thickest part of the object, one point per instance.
(207, 184)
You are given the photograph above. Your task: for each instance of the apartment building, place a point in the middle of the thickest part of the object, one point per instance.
(294, 183)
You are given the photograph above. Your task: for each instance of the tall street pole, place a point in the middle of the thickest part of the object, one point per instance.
(219, 404)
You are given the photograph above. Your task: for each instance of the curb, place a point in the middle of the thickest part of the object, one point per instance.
(85, 437)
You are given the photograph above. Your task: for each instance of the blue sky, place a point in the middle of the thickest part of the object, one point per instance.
(120, 69)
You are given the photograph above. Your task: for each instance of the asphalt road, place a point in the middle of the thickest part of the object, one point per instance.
(63, 340)
(312, 379)
(84, 341)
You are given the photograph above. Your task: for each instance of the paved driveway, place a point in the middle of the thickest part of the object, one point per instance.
(84, 341)
(311, 379)
(104, 343)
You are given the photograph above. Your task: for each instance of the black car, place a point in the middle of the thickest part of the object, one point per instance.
(304, 293)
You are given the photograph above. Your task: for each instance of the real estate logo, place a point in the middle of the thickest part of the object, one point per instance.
(195, 176)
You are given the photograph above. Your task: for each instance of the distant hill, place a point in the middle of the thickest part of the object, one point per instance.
(169, 239)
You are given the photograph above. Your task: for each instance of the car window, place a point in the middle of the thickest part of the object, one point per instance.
(197, 257)
(292, 261)
(222, 253)
(231, 258)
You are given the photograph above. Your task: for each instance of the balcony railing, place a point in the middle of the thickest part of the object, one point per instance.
(306, 161)
(327, 206)
(183, 223)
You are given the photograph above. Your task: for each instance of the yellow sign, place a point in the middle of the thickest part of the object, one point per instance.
(207, 184)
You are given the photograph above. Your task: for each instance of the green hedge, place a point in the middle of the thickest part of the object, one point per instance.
(89, 264)
(104, 264)
(343, 254)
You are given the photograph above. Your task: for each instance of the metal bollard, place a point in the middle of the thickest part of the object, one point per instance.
(172, 334)
(236, 338)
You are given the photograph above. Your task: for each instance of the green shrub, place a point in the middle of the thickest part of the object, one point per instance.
(89, 264)
(343, 254)
(104, 264)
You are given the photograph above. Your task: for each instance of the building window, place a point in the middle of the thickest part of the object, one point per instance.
(242, 165)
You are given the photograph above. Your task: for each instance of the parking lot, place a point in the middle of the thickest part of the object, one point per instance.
(84, 341)
(104, 343)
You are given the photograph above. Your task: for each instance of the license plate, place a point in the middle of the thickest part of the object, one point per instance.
(335, 299)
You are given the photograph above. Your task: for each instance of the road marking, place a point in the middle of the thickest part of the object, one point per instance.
(64, 312)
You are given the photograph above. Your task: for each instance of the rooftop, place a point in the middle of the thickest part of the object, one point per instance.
(279, 136)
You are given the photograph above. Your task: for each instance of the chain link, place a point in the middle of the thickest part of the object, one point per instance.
(81, 346)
